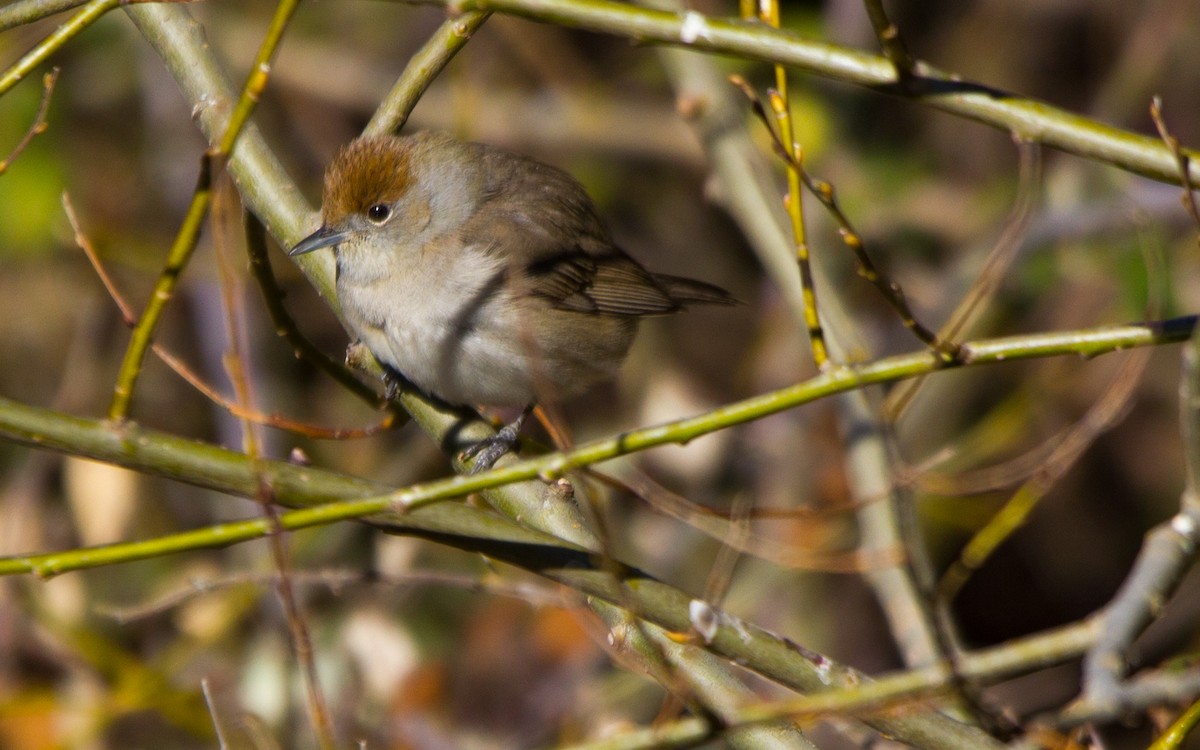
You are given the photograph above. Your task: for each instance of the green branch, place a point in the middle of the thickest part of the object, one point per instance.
(20, 12)
(484, 532)
(48, 46)
(133, 448)
(452, 524)
(1028, 119)
(423, 67)
(185, 241)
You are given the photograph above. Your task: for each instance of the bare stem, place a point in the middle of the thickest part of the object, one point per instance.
(51, 44)
(888, 34)
(237, 367)
(1026, 118)
(422, 68)
(189, 233)
(794, 201)
(39, 124)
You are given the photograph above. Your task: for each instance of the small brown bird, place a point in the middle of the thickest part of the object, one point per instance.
(483, 277)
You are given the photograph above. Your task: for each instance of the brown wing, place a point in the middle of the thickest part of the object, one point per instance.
(543, 222)
(610, 283)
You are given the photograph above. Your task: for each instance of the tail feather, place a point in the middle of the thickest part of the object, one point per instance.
(684, 291)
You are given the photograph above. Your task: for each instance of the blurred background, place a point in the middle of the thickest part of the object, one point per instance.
(480, 655)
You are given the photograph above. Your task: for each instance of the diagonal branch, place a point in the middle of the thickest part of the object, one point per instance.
(189, 232)
(1028, 119)
(473, 530)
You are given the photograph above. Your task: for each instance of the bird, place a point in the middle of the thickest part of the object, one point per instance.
(483, 277)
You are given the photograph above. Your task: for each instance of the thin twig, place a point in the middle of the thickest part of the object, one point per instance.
(422, 68)
(891, 42)
(825, 193)
(336, 581)
(840, 379)
(39, 121)
(260, 268)
(865, 267)
(719, 525)
(85, 244)
(189, 232)
(212, 712)
(51, 44)
(235, 361)
(177, 258)
(194, 379)
(1181, 158)
(768, 13)
(995, 267)
(277, 421)
(927, 479)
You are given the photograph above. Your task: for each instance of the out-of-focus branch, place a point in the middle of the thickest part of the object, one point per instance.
(211, 164)
(238, 367)
(39, 120)
(422, 68)
(747, 193)
(888, 34)
(28, 425)
(993, 271)
(20, 12)
(48, 46)
(1028, 119)
(1167, 552)
(453, 524)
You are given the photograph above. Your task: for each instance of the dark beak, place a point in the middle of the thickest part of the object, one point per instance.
(323, 237)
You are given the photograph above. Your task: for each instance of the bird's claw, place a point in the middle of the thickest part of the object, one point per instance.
(491, 449)
(391, 386)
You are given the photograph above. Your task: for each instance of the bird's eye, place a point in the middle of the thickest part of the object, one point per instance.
(379, 213)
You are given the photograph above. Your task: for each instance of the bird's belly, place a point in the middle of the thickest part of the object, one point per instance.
(463, 352)
(479, 368)
(481, 349)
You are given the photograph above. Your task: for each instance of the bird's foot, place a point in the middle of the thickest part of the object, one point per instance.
(358, 356)
(392, 385)
(490, 450)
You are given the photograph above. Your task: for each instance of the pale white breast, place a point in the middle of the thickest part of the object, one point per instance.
(448, 329)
